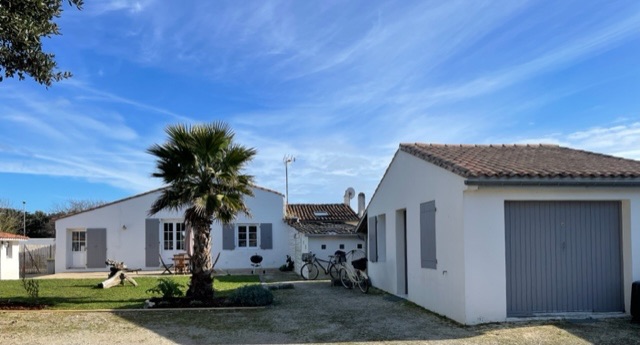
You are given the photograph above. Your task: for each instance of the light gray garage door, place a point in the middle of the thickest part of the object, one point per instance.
(563, 256)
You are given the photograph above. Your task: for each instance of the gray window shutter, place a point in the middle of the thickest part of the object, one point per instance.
(152, 242)
(373, 238)
(381, 232)
(228, 237)
(428, 235)
(266, 236)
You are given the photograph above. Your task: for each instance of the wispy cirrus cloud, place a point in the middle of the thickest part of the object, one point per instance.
(338, 85)
(60, 134)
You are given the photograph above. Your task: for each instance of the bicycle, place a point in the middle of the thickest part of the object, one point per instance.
(310, 270)
(353, 272)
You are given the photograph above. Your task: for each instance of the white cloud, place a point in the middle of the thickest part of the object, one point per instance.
(620, 140)
(107, 6)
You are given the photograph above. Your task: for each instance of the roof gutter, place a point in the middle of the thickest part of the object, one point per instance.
(554, 182)
(332, 235)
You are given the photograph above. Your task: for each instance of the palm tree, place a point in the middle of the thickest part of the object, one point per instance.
(202, 167)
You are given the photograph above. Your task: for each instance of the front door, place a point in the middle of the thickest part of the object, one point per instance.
(78, 249)
(173, 236)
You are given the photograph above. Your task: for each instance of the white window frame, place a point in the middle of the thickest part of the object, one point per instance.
(168, 236)
(82, 244)
(178, 234)
(247, 226)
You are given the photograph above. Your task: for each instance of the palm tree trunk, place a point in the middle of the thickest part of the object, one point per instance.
(201, 286)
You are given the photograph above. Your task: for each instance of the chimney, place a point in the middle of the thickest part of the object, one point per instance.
(360, 204)
(348, 195)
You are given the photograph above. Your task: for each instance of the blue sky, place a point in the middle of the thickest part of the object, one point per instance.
(336, 84)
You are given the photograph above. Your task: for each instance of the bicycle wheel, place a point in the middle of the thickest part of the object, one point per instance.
(333, 271)
(363, 281)
(309, 271)
(344, 279)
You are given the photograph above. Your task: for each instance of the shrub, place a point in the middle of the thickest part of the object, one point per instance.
(251, 296)
(32, 287)
(167, 288)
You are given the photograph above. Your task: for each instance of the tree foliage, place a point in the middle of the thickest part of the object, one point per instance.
(10, 218)
(75, 205)
(23, 23)
(202, 167)
(40, 224)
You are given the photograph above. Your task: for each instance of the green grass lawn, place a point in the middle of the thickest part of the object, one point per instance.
(83, 294)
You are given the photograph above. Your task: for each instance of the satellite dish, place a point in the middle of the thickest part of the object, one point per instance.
(350, 193)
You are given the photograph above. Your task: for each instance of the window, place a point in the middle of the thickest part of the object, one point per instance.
(78, 241)
(180, 235)
(428, 235)
(342, 246)
(323, 247)
(9, 250)
(320, 214)
(247, 236)
(359, 245)
(173, 235)
(168, 236)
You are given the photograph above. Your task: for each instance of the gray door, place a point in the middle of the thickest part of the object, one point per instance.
(152, 242)
(96, 248)
(563, 256)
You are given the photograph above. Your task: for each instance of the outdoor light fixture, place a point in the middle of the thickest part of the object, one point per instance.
(124, 227)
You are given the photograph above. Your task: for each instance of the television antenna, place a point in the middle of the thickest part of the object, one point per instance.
(288, 159)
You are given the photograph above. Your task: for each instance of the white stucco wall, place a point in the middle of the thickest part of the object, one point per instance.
(332, 244)
(301, 243)
(469, 284)
(409, 182)
(129, 245)
(266, 207)
(10, 265)
(485, 241)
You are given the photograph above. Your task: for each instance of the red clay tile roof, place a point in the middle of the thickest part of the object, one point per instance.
(523, 161)
(10, 236)
(334, 223)
(335, 212)
(320, 228)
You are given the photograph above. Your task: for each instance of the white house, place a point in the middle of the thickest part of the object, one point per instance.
(10, 255)
(123, 231)
(486, 233)
(322, 229)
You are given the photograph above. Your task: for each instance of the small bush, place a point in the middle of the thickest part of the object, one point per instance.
(251, 296)
(32, 287)
(167, 288)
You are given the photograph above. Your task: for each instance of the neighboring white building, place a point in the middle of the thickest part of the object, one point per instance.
(123, 231)
(10, 255)
(485, 233)
(322, 229)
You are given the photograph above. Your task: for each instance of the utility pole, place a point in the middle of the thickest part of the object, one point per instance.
(287, 160)
(24, 233)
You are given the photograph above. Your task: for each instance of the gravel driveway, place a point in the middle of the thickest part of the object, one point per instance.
(312, 312)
